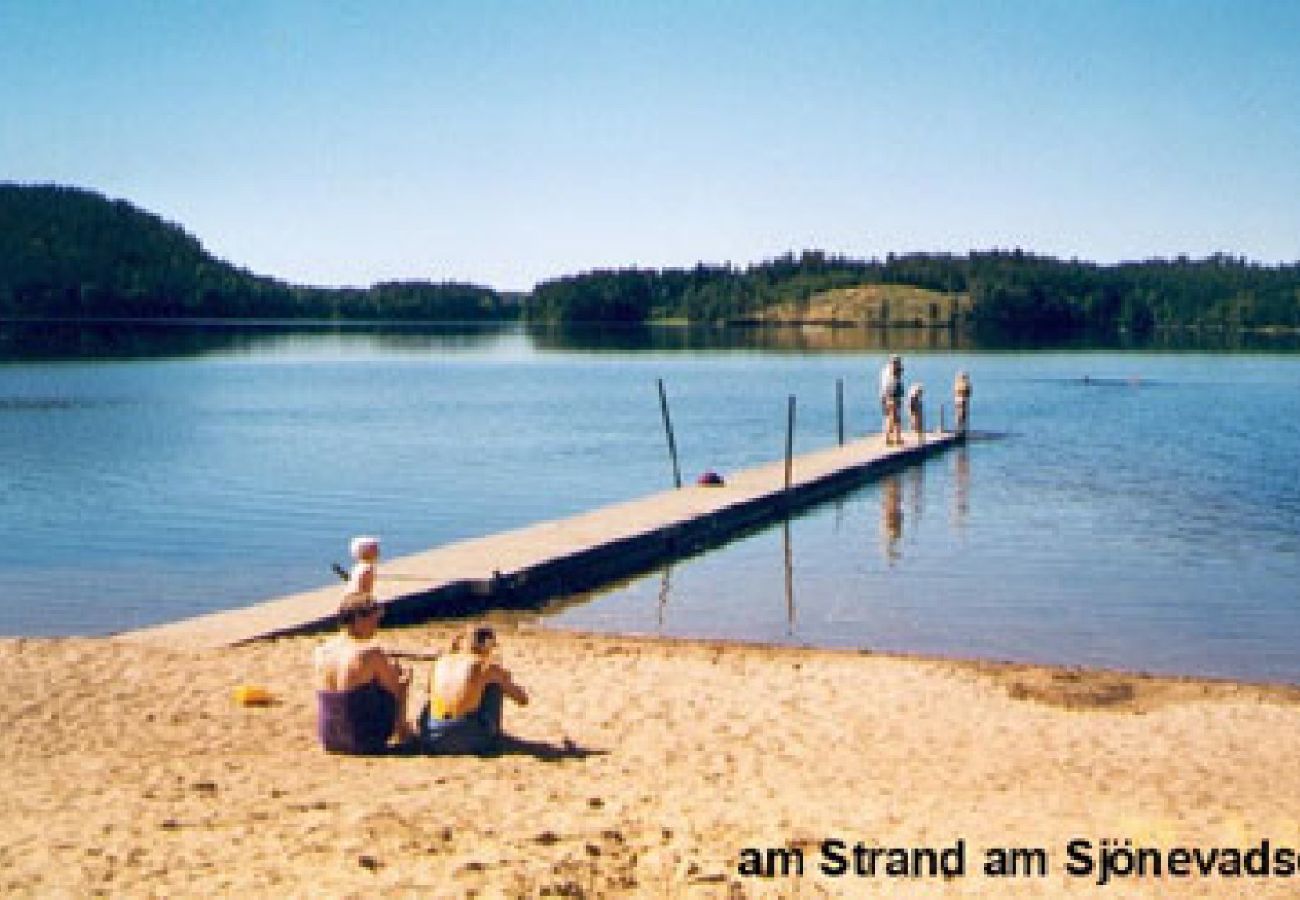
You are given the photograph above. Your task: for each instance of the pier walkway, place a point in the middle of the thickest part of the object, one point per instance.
(525, 567)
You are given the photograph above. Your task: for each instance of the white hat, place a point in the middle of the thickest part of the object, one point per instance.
(364, 545)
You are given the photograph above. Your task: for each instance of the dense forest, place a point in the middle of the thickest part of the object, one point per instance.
(66, 252)
(1013, 293)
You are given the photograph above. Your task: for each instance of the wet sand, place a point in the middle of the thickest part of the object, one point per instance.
(644, 767)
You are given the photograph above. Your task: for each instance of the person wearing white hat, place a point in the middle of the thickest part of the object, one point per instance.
(365, 555)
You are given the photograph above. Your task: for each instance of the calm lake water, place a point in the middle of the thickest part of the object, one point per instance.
(1147, 518)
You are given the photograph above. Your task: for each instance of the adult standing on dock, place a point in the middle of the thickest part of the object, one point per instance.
(891, 399)
(961, 398)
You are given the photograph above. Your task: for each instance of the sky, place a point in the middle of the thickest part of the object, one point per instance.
(504, 142)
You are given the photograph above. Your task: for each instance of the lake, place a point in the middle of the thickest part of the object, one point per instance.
(1139, 509)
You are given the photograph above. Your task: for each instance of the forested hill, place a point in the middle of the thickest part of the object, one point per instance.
(1010, 292)
(67, 252)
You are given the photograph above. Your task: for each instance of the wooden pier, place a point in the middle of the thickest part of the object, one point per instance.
(527, 566)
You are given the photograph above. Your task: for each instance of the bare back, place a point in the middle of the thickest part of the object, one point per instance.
(343, 664)
(458, 679)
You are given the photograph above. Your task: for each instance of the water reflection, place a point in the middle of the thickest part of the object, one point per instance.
(799, 339)
(659, 338)
(916, 493)
(961, 487)
(161, 339)
(150, 338)
(789, 578)
(665, 587)
(665, 591)
(891, 517)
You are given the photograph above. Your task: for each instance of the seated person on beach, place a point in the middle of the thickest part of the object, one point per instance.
(466, 692)
(360, 692)
(365, 555)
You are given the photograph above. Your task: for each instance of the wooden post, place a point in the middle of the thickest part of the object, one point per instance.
(789, 444)
(941, 427)
(839, 407)
(668, 429)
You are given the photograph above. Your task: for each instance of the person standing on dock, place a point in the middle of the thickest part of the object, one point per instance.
(365, 555)
(916, 410)
(961, 400)
(891, 399)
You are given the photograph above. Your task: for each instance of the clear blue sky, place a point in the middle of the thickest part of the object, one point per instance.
(506, 142)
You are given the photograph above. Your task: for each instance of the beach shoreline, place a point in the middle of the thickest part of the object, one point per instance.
(646, 767)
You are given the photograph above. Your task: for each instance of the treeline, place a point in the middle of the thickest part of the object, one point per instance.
(67, 252)
(1013, 293)
(705, 293)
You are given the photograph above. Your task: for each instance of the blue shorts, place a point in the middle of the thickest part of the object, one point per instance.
(474, 733)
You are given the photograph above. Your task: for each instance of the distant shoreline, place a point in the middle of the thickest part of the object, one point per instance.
(741, 324)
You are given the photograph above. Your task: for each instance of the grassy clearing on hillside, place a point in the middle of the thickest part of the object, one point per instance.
(879, 305)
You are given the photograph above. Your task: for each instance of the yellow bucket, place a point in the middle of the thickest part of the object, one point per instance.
(253, 695)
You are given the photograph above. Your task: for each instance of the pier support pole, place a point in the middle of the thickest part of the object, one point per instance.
(839, 407)
(668, 429)
(789, 444)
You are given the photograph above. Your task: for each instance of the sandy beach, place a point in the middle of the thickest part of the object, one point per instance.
(644, 767)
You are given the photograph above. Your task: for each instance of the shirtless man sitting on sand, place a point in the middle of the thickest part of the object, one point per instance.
(466, 692)
(361, 692)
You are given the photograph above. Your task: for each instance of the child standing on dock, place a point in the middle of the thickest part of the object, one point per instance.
(916, 411)
(365, 555)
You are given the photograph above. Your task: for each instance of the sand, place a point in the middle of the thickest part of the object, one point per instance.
(645, 768)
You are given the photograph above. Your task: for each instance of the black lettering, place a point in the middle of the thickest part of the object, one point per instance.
(1230, 865)
(1153, 857)
(1015, 862)
(790, 860)
(1081, 862)
(897, 864)
(1179, 862)
(772, 862)
(1204, 861)
(1029, 861)
(953, 860)
(865, 858)
(931, 858)
(1284, 862)
(1119, 860)
(1257, 859)
(833, 863)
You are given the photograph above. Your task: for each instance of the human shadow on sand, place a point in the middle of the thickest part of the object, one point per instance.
(546, 751)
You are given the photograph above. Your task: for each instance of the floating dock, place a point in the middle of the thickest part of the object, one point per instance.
(526, 567)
